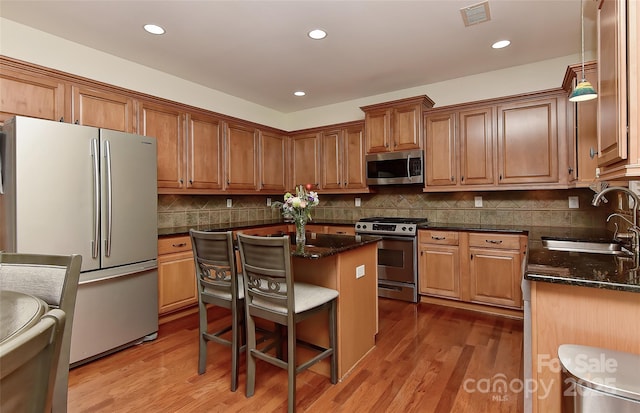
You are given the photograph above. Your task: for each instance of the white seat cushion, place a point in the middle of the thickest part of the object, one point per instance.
(306, 296)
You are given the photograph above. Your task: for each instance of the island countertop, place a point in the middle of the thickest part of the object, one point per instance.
(323, 245)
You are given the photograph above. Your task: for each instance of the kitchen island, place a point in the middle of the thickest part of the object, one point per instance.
(577, 298)
(348, 264)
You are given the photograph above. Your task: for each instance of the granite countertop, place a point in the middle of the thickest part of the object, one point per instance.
(580, 268)
(324, 245)
(571, 268)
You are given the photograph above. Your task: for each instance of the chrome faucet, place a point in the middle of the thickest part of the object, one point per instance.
(635, 231)
(597, 198)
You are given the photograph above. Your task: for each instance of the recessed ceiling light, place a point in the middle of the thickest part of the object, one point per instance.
(317, 34)
(299, 93)
(153, 29)
(500, 44)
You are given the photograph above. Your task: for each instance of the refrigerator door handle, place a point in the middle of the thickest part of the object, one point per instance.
(96, 199)
(109, 192)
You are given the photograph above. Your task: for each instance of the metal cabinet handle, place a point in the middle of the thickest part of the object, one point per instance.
(592, 153)
(438, 238)
(493, 241)
(182, 244)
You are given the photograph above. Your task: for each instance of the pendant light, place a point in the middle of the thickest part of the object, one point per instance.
(584, 90)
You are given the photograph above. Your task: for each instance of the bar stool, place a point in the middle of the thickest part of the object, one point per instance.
(220, 285)
(272, 294)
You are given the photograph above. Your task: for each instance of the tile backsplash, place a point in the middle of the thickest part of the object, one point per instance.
(541, 208)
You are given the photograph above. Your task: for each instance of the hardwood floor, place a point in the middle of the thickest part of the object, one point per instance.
(427, 358)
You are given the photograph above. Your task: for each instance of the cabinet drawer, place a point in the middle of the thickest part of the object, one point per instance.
(494, 240)
(169, 245)
(438, 237)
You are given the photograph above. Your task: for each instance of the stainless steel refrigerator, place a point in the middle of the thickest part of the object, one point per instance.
(72, 189)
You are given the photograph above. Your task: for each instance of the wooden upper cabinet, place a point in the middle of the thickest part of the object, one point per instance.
(342, 154)
(612, 82)
(241, 162)
(204, 151)
(441, 153)
(273, 162)
(460, 148)
(582, 127)
(477, 145)
(102, 109)
(332, 158)
(166, 125)
(395, 126)
(353, 165)
(378, 130)
(528, 142)
(305, 160)
(27, 94)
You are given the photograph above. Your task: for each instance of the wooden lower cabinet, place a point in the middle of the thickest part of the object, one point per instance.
(439, 264)
(177, 287)
(495, 269)
(476, 268)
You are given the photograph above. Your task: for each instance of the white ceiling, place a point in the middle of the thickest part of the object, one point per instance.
(259, 50)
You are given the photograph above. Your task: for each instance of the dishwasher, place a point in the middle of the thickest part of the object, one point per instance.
(597, 380)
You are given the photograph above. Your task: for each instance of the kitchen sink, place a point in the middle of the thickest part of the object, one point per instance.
(610, 247)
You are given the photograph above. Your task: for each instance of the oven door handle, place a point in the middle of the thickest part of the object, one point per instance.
(397, 238)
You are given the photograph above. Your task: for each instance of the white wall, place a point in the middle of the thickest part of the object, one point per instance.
(24, 43)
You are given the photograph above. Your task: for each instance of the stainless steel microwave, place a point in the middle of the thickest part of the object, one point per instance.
(393, 168)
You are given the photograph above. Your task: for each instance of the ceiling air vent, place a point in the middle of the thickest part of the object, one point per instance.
(478, 13)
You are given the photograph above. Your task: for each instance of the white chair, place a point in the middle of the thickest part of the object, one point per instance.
(272, 294)
(53, 279)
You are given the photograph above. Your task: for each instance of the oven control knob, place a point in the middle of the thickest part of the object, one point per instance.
(358, 226)
(404, 228)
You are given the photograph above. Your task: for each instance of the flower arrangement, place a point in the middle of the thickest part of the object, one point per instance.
(299, 207)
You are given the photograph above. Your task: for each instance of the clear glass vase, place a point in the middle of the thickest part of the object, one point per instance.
(301, 237)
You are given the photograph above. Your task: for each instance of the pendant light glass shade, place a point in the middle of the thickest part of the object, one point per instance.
(584, 90)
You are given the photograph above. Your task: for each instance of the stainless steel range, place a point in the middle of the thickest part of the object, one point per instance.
(397, 255)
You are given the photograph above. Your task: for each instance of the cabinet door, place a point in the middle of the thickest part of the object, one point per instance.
(204, 152)
(440, 159)
(341, 230)
(612, 82)
(528, 142)
(331, 147)
(439, 270)
(353, 167)
(177, 286)
(273, 161)
(241, 157)
(102, 109)
(476, 136)
(378, 130)
(407, 133)
(583, 130)
(25, 94)
(495, 276)
(165, 124)
(305, 160)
